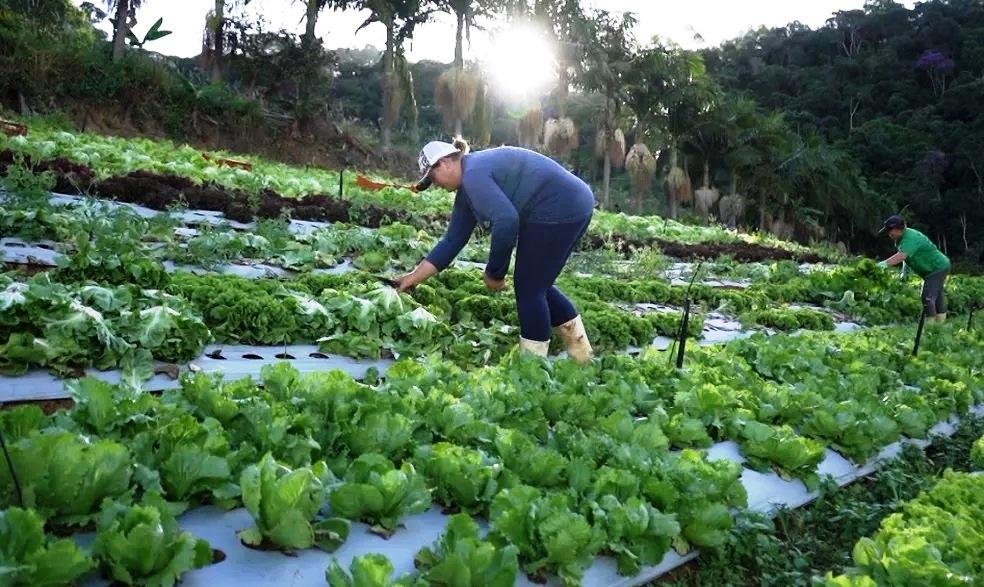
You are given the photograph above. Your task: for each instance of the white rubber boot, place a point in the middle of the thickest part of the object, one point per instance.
(576, 340)
(534, 347)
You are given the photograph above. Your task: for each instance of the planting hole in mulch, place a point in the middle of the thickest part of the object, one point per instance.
(319, 356)
(285, 356)
(218, 556)
(253, 357)
(267, 546)
(216, 354)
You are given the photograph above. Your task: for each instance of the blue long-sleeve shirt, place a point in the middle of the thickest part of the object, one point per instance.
(504, 188)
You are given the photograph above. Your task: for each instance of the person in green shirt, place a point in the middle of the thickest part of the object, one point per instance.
(918, 254)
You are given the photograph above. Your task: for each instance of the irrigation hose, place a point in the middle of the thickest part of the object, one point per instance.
(13, 473)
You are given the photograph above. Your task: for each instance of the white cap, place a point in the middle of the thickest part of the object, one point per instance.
(432, 152)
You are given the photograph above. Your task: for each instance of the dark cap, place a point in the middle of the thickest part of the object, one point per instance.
(892, 222)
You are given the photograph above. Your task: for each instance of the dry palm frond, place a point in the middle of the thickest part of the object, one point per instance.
(706, 196)
(530, 126)
(731, 209)
(615, 146)
(781, 228)
(704, 200)
(456, 94)
(482, 118)
(678, 185)
(641, 165)
(560, 136)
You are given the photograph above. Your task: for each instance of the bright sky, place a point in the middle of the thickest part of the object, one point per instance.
(714, 20)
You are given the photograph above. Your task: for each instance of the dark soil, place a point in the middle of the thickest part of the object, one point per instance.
(162, 191)
(26, 269)
(48, 406)
(70, 177)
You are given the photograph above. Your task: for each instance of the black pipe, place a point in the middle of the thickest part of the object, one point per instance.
(919, 332)
(684, 324)
(13, 473)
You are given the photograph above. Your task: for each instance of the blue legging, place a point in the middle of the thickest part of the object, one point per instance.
(541, 253)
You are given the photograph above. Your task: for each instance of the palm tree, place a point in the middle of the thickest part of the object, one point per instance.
(457, 90)
(214, 43)
(760, 144)
(605, 54)
(312, 9)
(669, 89)
(400, 17)
(126, 11)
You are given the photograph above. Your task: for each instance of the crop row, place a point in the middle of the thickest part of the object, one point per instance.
(143, 166)
(564, 461)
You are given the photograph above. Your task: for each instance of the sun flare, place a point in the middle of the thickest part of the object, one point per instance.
(521, 64)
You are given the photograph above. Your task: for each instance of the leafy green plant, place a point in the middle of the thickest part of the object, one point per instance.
(64, 327)
(460, 558)
(28, 557)
(462, 477)
(284, 504)
(143, 545)
(66, 476)
(780, 447)
(636, 533)
(549, 536)
(790, 319)
(368, 570)
(977, 454)
(934, 540)
(379, 494)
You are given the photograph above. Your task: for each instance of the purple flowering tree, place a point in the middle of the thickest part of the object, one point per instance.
(937, 66)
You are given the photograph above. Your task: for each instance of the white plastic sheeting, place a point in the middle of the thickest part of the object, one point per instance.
(232, 361)
(188, 217)
(15, 250)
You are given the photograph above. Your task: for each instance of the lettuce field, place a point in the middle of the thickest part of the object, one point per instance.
(207, 378)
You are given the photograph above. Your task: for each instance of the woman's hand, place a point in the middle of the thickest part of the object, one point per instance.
(424, 271)
(406, 282)
(494, 284)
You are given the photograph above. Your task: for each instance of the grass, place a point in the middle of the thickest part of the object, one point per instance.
(799, 544)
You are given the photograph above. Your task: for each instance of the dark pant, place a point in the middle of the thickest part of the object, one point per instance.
(541, 253)
(933, 294)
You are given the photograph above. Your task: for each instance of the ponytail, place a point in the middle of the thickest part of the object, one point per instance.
(462, 145)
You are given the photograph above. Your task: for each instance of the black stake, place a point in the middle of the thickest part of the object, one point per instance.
(341, 184)
(919, 331)
(13, 473)
(685, 322)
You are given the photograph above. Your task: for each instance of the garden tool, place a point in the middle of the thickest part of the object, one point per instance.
(369, 184)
